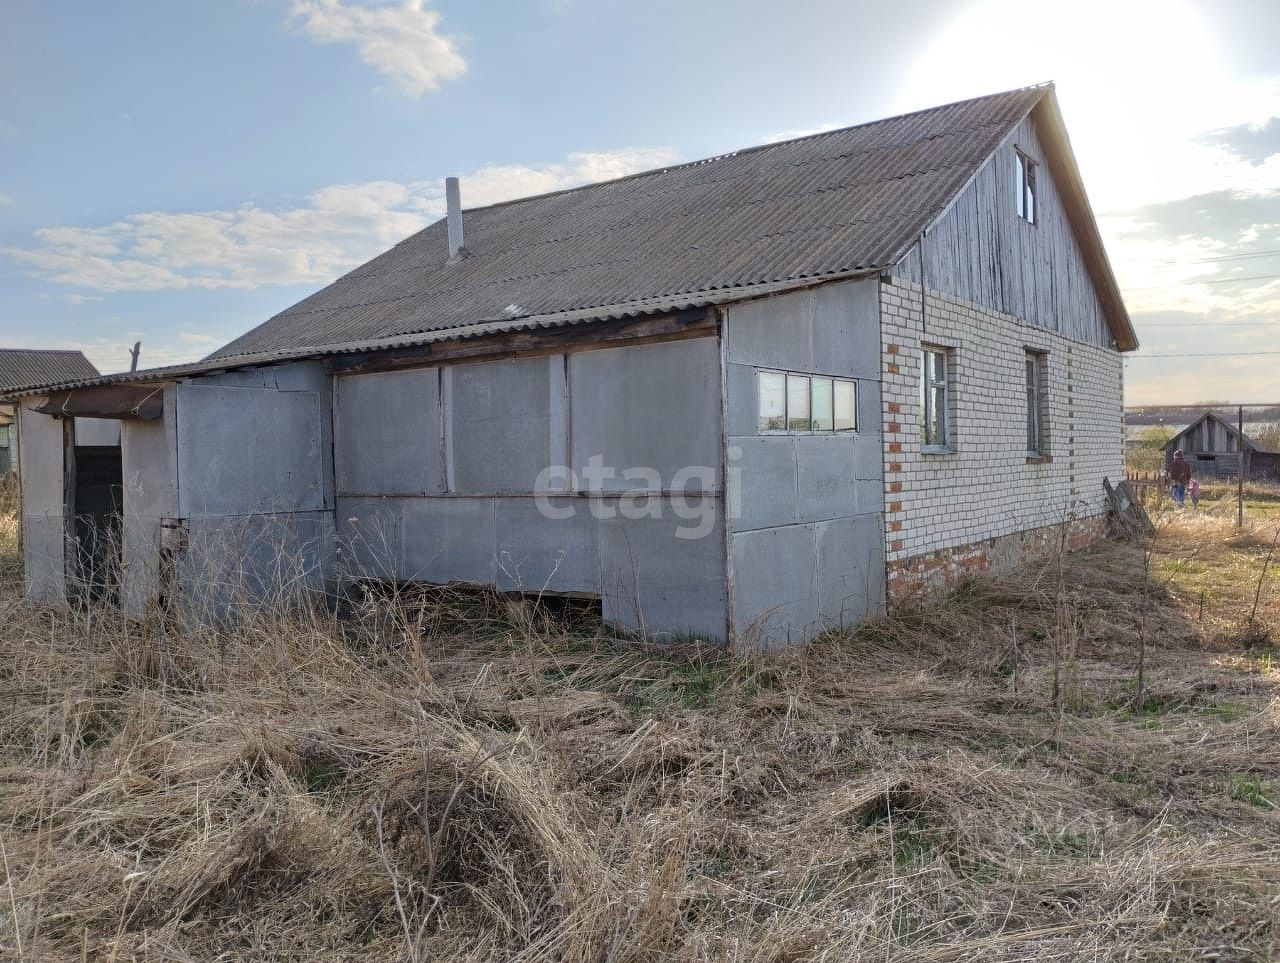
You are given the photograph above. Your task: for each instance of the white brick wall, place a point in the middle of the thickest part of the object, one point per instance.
(986, 487)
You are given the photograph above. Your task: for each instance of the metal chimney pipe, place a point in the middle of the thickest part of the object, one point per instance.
(453, 201)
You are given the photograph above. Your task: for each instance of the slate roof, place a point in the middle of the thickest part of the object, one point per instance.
(759, 221)
(30, 366)
(827, 205)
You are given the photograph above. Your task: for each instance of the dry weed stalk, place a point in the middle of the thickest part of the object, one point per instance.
(436, 776)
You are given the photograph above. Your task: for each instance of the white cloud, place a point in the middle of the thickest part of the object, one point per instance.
(401, 40)
(5, 199)
(197, 338)
(337, 228)
(78, 299)
(798, 132)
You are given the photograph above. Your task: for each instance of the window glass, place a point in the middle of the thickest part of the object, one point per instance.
(773, 401)
(1024, 178)
(1033, 404)
(1020, 184)
(846, 406)
(798, 403)
(823, 413)
(933, 399)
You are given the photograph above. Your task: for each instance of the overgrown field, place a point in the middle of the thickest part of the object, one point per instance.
(452, 777)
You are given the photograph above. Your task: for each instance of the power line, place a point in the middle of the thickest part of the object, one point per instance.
(1202, 354)
(1229, 257)
(1208, 325)
(1183, 284)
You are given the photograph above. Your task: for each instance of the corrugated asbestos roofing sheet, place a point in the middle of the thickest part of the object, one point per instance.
(31, 366)
(755, 222)
(559, 319)
(831, 204)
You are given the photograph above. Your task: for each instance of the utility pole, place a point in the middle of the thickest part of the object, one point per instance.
(133, 355)
(1240, 471)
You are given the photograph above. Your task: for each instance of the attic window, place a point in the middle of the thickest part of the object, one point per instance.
(1025, 184)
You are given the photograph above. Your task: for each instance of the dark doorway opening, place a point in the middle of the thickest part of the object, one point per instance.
(99, 499)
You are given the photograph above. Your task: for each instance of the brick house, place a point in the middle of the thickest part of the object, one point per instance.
(747, 398)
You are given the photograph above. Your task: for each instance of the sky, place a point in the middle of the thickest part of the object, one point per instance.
(176, 173)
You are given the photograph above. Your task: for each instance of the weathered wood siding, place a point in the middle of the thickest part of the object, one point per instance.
(1209, 436)
(983, 252)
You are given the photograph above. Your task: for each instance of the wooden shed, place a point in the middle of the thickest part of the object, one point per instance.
(1216, 449)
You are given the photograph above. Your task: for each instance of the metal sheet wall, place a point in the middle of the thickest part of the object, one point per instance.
(654, 406)
(41, 455)
(255, 487)
(806, 545)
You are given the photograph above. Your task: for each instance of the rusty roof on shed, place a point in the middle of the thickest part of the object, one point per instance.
(20, 367)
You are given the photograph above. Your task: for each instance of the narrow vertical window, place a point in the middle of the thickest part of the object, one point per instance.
(846, 405)
(1035, 403)
(1024, 182)
(823, 415)
(798, 418)
(773, 401)
(933, 398)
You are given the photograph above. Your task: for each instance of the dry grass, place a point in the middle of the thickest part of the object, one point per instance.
(450, 777)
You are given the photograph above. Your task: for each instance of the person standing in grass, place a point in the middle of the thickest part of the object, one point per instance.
(1194, 491)
(1180, 473)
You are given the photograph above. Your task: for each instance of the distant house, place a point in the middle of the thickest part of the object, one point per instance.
(747, 398)
(1215, 448)
(20, 367)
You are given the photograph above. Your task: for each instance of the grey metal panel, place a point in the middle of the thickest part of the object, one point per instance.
(40, 453)
(149, 462)
(766, 478)
(846, 329)
(387, 433)
(249, 450)
(868, 458)
(97, 432)
(448, 540)
(140, 565)
(651, 406)
(774, 332)
(870, 412)
(43, 546)
(369, 537)
(536, 553)
(833, 329)
(742, 407)
(826, 484)
(775, 586)
(247, 561)
(658, 583)
(500, 430)
(296, 376)
(851, 570)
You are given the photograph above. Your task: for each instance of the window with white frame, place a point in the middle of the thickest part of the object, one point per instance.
(1025, 185)
(933, 399)
(1035, 372)
(792, 402)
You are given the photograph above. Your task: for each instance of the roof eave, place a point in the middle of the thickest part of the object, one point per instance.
(1057, 144)
(584, 316)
